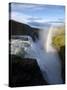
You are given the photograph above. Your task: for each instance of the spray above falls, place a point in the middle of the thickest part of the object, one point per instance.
(49, 47)
(49, 60)
(43, 51)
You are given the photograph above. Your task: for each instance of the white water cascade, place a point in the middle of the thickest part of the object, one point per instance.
(46, 56)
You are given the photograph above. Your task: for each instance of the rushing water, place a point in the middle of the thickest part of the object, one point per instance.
(46, 56)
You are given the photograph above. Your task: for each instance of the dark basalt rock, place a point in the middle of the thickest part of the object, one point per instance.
(24, 72)
(17, 28)
(62, 57)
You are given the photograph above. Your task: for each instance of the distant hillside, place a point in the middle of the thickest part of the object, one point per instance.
(59, 37)
(59, 30)
(16, 28)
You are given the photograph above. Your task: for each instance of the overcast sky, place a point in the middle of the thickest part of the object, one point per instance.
(37, 15)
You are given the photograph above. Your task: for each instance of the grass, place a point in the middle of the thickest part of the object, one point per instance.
(58, 39)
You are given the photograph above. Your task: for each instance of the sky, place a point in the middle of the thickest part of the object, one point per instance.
(37, 15)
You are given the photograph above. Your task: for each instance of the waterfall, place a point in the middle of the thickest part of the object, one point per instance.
(49, 59)
(45, 54)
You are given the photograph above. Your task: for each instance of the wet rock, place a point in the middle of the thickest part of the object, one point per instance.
(62, 57)
(24, 72)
